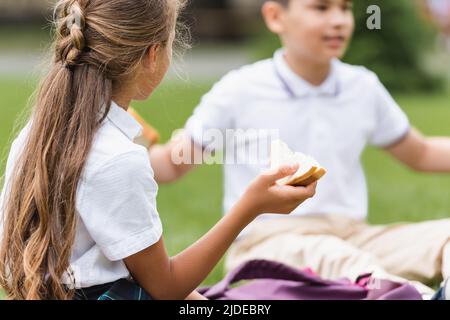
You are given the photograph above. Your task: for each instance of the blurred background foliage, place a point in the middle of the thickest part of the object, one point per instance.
(398, 52)
(408, 54)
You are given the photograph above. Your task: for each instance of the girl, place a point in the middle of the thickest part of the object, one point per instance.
(79, 202)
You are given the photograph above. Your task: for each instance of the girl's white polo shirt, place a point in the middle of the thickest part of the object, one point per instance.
(115, 203)
(333, 122)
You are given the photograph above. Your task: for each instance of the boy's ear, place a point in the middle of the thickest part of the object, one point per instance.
(272, 13)
(151, 57)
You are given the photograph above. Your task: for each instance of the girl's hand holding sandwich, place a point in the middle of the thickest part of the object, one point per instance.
(180, 275)
(264, 195)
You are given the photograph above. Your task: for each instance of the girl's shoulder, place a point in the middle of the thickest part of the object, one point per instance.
(113, 150)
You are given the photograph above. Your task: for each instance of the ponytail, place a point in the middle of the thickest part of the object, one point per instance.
(73, 100)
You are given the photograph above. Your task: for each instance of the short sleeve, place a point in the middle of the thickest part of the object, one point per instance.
(215, 111)
(391, 123)
(117, 204)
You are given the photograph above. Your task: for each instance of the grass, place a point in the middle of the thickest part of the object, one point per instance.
(397, 193)
(22, 37)
(190, 207)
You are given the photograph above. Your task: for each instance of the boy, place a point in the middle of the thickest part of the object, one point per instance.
(331, 110)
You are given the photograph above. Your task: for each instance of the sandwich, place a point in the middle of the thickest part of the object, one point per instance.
(309, 170)
(149, 136)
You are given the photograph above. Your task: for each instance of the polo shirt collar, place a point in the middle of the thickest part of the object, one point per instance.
(124, 121)
(297, 86)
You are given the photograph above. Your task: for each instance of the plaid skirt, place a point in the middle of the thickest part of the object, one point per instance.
(122, 289)
(444, 292)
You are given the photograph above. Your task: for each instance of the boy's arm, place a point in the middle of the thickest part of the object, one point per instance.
(162, 158)
(161, 155)
(423, 154)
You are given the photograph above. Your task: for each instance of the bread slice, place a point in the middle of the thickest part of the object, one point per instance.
(150, 135)
(309, 170)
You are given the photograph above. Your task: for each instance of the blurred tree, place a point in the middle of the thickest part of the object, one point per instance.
(396, 52)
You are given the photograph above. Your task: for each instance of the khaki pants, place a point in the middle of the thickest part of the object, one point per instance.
(336, 246)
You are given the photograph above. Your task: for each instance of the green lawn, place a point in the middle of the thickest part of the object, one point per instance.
(190, 207)
(27, 37)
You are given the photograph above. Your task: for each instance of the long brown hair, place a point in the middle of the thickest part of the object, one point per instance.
(98, 46)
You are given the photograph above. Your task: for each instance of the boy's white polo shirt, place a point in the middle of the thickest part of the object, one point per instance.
(332, 122)
(116, 201)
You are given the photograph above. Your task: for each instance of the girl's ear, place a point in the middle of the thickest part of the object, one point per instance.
(272, 13)
(151, 57)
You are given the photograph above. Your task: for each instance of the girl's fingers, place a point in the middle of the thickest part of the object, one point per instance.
(271, 176)
(311, 189)
(301, 192)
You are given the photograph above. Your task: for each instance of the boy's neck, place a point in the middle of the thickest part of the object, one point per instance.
(311, 71)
